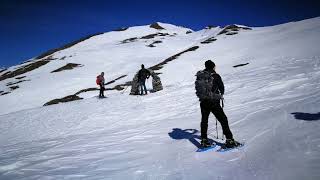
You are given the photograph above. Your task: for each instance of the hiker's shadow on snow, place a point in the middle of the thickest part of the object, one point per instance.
(189, 134)
(306, 116)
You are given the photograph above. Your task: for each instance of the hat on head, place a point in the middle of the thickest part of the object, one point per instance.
(209, 64)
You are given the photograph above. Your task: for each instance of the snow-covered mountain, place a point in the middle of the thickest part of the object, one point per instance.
(272, 102)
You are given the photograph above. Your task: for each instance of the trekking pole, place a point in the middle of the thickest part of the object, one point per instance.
(222, 104)
(222, 101)
(217, 128)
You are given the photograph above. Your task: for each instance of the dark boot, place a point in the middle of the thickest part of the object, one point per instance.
(231, 143)
(205, 142)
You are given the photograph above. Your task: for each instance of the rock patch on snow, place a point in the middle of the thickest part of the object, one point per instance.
(63, 100)
(171, 58)
(156, 26)
(24, 69)
(13, 83)
(239, 65)
(232, 29)
(68, 66)
(210, 40)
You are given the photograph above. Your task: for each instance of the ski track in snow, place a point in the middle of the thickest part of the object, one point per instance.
(126, 137)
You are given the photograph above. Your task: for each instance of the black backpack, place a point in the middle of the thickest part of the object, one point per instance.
(204, 84)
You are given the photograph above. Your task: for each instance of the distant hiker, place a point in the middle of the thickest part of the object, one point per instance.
(143, 74)
(100, 82)
(210, 90)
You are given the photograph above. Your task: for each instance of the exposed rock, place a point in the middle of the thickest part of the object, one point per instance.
(21, 77)
(63, 100)
(160, 65)
(1, 94)
(112, 81)
(210, 27)
(188, 32)
(86, 90)
(150, 36)
(13, 83)
(14, 87)
(121, 29)
(63, 58)
(75, 96)
(156, 26)
(69, 66)
(129, 40)
(154, 42)
(135, 85)
(240, 65)
(231, 33)
(156, 83)
(24, 69)
(209, 40)
(228, 29)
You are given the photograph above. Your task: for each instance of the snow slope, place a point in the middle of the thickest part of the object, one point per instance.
(272, 105)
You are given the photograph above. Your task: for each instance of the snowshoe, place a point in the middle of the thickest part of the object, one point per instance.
(231, 143)
(205, 143)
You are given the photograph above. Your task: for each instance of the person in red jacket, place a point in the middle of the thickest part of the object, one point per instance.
(100, 82)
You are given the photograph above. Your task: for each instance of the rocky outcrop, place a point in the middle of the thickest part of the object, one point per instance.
(156, 26)
(68, 66)
(26, 68)
(156, 83)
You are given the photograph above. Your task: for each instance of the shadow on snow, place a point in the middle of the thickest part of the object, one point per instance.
(189, 134)
(306, 116)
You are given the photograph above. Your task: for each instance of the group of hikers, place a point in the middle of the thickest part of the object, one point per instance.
(209, 89)
(143, 74)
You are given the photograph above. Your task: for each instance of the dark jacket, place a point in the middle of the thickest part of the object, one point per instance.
(143, 74)
(218, 86)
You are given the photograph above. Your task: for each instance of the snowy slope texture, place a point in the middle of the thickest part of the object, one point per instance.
(272, 100)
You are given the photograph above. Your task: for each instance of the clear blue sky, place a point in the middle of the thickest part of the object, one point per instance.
(30, 27)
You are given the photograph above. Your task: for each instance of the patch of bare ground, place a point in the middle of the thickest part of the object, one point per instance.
(121, 29)
(210, 40)
(171, 58)
(153, 44)
(156, 26)
(129, 40)
(13, 83)
(21, 77)
(239, 65)
(75, 96)
(63, 100)
(232, 29)
(68, 66)
(26, 68)
(4, 93)
(14, 87)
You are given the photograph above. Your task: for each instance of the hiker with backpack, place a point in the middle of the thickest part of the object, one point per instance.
(143, 74)
(210, 89)
(100, 82)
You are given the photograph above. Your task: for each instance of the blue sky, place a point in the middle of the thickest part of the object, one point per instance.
(30, 27)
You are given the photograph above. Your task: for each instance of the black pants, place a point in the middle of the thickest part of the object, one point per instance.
(101, 93)
(142, 84)
(215, 108)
